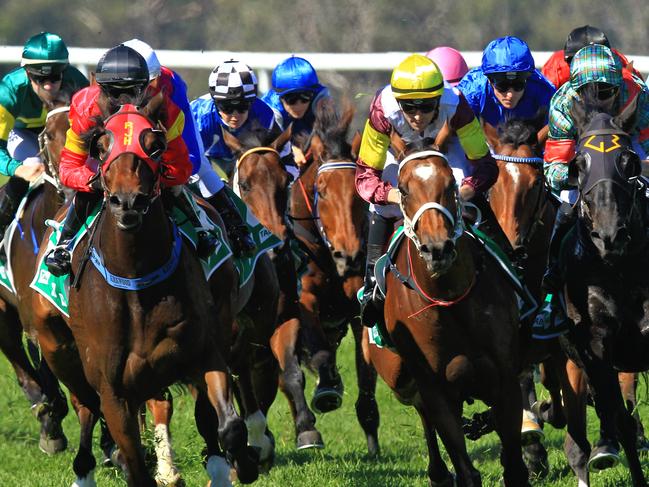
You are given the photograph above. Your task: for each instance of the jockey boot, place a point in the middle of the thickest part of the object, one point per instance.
(58, 260)
(553, 277)
(490, 225)
(15, 189)
(238, 233)
(207, 242)
(371, 302)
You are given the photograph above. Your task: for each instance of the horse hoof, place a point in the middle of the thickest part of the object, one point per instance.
(373, 448)
(326, 399)
(309, 439)
(536, 458)
(449, 481)
(603, 457)
(52, 446)
(169, 480)
(246, 465)
(87, 481)
(642, 445)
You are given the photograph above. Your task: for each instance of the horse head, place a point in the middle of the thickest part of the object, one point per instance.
(262, 179)
(52, 139)
(611, 196)
(340, 211)
(426, 183)
(518, 198)
(129, 145)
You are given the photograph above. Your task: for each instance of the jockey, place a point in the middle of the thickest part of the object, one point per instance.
(416, 105)
(209, 183)
(232, 105)
(557, 68)
(506, 85)
(598, 67)
(295, 97)
(450, 62)
(24, 92)
(122, 75)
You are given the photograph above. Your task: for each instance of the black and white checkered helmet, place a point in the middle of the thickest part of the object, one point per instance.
(233, 80)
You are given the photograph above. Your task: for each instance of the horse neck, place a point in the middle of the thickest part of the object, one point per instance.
(133, 254)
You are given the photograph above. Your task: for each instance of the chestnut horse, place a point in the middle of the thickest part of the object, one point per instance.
(121, 346)
(262, 181)
(48, 402)
(455, 338)
(330, 220)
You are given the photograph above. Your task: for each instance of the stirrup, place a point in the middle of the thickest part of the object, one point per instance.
(206, 245)
(241, 240)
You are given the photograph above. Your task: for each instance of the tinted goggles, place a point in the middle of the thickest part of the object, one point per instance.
(606, 91)
(424, 106)
(298, 96)
(504, 85)
(44, 78)
(115, 91)
(230, 108)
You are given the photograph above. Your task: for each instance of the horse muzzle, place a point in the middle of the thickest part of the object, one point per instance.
(612, 247)
(129, 210)
(438, 256)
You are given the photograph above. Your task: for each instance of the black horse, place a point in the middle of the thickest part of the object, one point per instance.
(607, 287)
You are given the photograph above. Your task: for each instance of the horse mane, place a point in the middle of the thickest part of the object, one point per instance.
(586, 106)
(257, 136)
(517, 132)
(332, 129)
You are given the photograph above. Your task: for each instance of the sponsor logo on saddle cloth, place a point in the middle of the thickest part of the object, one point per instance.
(55, 289)
(6, 274)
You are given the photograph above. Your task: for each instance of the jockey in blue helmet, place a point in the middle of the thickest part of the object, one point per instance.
(294, 97)
(506, 84)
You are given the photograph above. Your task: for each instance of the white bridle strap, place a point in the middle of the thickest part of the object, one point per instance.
(421, 155)
(55, 111)
(333, 165)
(431, 206)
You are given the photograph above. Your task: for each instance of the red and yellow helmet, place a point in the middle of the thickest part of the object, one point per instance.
(417, 77)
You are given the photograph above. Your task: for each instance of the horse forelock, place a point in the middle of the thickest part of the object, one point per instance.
(517, 132)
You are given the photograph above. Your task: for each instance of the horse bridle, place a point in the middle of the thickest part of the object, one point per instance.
(410, 224)
(53, 176)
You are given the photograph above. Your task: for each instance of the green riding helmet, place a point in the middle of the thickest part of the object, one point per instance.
(45, 54)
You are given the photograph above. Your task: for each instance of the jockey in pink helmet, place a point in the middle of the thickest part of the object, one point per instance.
(450, 62)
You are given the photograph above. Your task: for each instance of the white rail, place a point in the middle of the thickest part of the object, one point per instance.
(264, 62)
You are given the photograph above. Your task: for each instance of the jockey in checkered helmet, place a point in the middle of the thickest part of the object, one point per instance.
(233, 81)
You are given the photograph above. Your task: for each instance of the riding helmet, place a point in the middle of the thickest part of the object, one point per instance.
(450, 62)
(231, 81)
(582, 37)
(122, 66)
(147, 52)
(417, 77)
(294, 74)
(45, 54)
(507, 54)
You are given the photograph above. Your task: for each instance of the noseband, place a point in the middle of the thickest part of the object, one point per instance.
(410, 224)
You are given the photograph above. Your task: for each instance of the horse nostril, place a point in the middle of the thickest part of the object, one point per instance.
(338, 254)
(594, 235)
(424, 249)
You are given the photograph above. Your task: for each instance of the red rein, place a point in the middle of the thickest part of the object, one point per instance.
(434, 301)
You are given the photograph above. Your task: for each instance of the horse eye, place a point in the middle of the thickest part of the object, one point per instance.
(403, 191)
(244, 186)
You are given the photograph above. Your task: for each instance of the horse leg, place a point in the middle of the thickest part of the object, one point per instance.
(628, 384)
(367, 410)
(551, 411)
(122, 420)
(217, 466)
(291, 383)
(48, 404)
(232, 432)
(322, 358)
(161, 408)
(84, 461)
(612, 413)
(506, 416)
(534, 453)
(438, 474)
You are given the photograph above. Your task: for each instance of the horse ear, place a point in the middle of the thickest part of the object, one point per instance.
(629, 163)
(397, 143)
(347, 117)
(93, 78)
(491, 133)
(232, 142)
(626, 119)
(356, 144)
(283, 138)
(317, 147)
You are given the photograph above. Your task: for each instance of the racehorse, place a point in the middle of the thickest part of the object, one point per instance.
(454, 337)
(262, 182)
(122, 346)
(48, 402)
(607, 287)
(329, 219)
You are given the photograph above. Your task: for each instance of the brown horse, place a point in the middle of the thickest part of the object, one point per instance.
(329, 219)
(263, 183)
(48, 403)
(125, 345)
(456, 339)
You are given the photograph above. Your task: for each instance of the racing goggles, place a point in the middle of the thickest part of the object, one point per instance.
(41, 79)
(229, 107)
(606, 91)
(423, 105)
(297, 96)
(117, 90)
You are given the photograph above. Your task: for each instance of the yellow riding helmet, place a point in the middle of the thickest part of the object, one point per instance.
(417, 77)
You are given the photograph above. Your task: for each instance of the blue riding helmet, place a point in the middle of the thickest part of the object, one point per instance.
(294, 74)
(505, 55)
